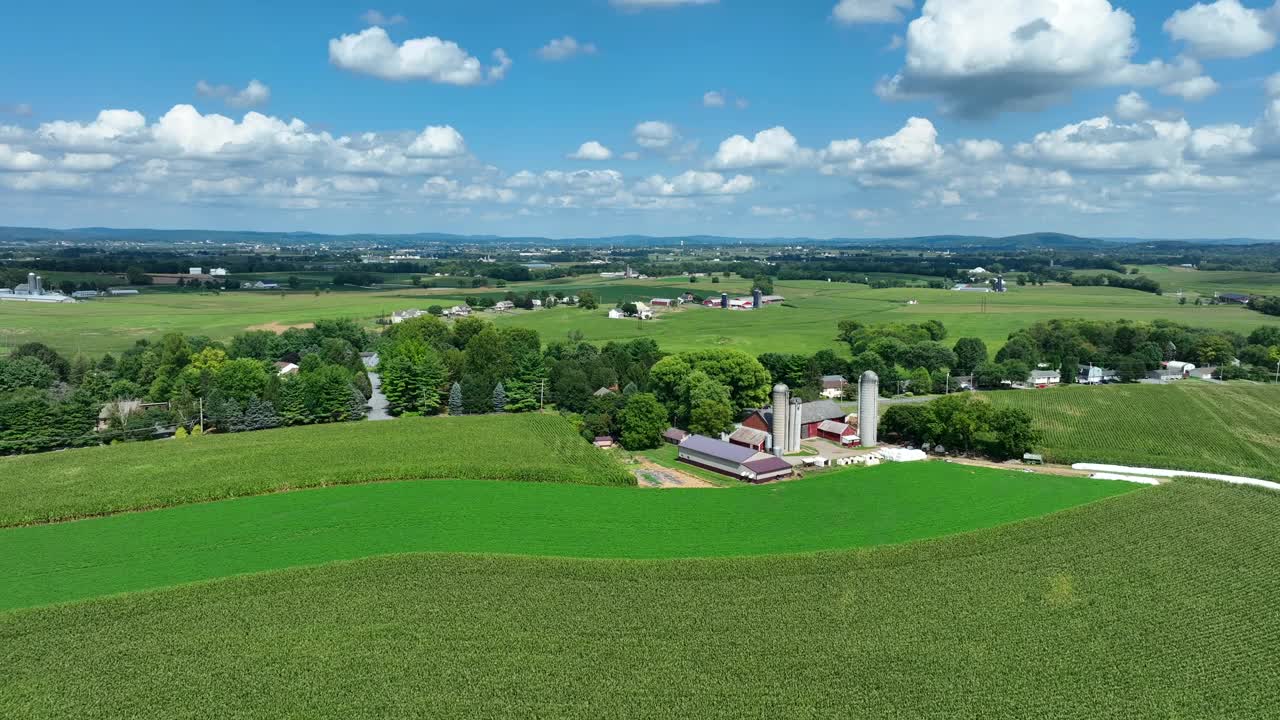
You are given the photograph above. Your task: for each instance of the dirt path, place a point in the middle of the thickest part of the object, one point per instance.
(651, 475)
(279, 328)
(1064, 470)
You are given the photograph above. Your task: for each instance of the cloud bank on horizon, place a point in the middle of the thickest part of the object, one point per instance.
(867, 117)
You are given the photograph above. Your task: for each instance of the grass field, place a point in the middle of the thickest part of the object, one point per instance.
(1189, 425)
(850, 508)
(805, 323)
(132, 476)
(1208, 282)
(1156, 604)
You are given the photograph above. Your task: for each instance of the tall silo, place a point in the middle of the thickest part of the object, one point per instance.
(779, 429)
(724, 301)
(869, 408)
(793, 425)
(755, 298)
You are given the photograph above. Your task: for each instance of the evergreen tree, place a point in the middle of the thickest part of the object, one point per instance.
(499, 399)
(357, 406)
(524, 389)
(293, 402)
(412, 375)
(455, 399)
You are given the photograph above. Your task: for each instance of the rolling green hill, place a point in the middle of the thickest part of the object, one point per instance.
(850, 508)
(1191, 425)
(137, 476)
(1159, 603)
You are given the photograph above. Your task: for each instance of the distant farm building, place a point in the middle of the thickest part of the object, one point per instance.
(736, 461)
(1094, 375)
(604, 442)
(264, 285)
(400, 316)
(833, 386)
(1235, 298)
(286, 368)
(674, 436)
(663, 302)
(962, 287)
(33, 290)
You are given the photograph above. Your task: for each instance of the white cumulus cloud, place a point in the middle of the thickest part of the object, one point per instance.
(713, 98)
(1132, 106)
(981, 57)
(11, 159)
(980, 150)
(1193, 89)
(694, 183)
(437, 141)
(252, 95)
(376, 17)
(654, 134)
(851, 12)
(1224, 29)
(564, 48)
(912, 149)
(591, 150)
(772, 148)
(372, 52)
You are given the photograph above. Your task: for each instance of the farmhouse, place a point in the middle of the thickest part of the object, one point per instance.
(400, 316)
(1094, 375)
(1045, 378)
(1234, 298)
(264, 285)
(812, 414)
(122, 409)
(286, 368)
(732, 460)
(616, 314)
(503, 306)
(604, 442)
(458, 311)
(833, 386)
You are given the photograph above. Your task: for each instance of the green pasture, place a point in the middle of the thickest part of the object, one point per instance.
(1207, 282)
(136, 476)
(54, 563)
(1159, 603)
(806, 323)
(1189, 425)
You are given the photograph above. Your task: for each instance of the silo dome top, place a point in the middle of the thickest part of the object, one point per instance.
(870, 375)
(780, 388)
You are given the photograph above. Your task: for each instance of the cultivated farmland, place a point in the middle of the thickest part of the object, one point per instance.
(1190, 425)
(133, 476)
(1159, 603)
(850, 508)
(806, 323)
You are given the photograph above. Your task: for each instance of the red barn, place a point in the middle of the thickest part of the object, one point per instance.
(837, 432)
(812, 414)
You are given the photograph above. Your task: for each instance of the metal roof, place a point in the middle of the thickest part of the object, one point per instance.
(764, 466)
(717, 449)
(819, 410)
(749, 435)
(832, 426)
(675, 434)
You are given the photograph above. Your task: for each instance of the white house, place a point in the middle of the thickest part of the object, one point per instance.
(643, 311)
(616, 314)
(400, 316)
(1045, 378)
(218, 272)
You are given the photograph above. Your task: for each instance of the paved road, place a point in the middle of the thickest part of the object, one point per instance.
(378, 401)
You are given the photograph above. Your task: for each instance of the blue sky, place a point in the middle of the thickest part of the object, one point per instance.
(593, 117)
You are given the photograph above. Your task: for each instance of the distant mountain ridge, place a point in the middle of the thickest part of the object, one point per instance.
(1027, 241)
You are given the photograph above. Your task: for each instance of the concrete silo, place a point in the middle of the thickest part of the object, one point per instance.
(793, 425)
(781, 397)
(755, 298)
(724, 301)
(869, 409)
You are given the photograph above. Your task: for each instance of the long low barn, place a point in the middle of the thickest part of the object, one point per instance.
(733, 460)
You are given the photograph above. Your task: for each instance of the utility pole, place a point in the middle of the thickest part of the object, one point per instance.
(202, 416)
(542, 395)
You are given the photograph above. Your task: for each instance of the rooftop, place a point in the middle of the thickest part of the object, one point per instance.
(717, 449)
